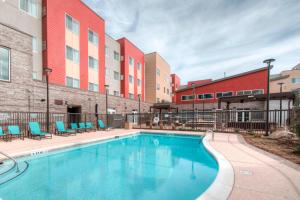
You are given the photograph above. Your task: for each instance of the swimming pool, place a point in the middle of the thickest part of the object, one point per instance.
(143, 166)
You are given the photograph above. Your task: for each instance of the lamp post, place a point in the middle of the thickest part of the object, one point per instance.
(268, 61)
(106, 103)
(47, 72)
(193, 86)
(280, 104)
(139, 97)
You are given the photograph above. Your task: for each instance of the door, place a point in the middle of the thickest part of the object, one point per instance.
(74, 114)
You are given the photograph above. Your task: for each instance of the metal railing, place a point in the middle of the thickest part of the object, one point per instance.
(14, 165)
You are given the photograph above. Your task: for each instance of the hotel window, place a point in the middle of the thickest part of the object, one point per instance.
(205, 96)
(116, 75)
(93, 37)
(116, 93)
(131, 61)
(106, 71)
(4, 64)
(187, 97)
(256, 92)
(72, 54)
(116, 56)
(93, 87)
(72, 82)
(296, 80)
(131, 96)
(34, 75)
(106, 51)
(157, 72)
(130, 79)
(139, 66)
(224, 94)
(157, 86)
(139, 82)
(93, 63)
(30, 7)
(72, 24)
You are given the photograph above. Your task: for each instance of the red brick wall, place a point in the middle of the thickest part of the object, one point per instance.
(54, 35)
(129, 49)
(251, 81)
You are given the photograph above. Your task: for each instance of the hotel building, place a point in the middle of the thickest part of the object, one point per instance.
(157, 79)
(175, 86)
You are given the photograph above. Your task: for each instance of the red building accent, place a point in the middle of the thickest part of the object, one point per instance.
(54, 39)
(129, 49)
(199, 82)
(252, 80)
(175, 86)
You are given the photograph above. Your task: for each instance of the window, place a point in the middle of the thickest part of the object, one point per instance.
(106, 51)
(93, 37)
(131, 61)
(157, 72)
(116, 93)
(205, 96)
(72, 82)
(157, 86)
(30, 7)
(4, 64)
(34, 75)
(116, 75)
(187, 97)
(296, 80)
(72, 54)
(250, 92)
(106, 71)
(93, 63)
(116, 56)
(130, 79)
(139, 66)
(256, 92)
(139, 82)
(72, 25)
(93, 87)
(131, 96)
(224, 94)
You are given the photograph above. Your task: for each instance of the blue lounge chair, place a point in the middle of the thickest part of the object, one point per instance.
(82, 125)
(14, 131)
(75, 127)
(4, 136)
(101, 124)
(60, 129)
(35, 130)
(89, 125)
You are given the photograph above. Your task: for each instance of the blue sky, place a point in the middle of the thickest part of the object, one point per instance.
(203, 39)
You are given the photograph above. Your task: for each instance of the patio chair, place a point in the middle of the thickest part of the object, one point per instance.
(82, 126)
(74, 126)
(89, 125)
(101, 124)
(14, 131)
(60, 129)
(3, 135)
(35, 131)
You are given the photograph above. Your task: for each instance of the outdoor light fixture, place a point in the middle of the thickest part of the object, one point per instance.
(268, 61)
(47, 72)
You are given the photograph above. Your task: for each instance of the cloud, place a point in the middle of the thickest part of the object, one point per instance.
(203, 39)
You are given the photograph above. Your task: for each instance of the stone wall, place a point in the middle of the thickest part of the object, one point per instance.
(24, 94)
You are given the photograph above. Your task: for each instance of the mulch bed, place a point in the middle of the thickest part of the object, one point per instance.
(285, 148)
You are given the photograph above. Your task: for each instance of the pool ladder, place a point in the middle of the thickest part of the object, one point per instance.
(16, 164)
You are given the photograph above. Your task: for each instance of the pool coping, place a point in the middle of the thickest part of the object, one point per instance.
(220, 189)
(222, 186)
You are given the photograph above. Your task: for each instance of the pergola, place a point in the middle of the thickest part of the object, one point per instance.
(163, 106)
(260, 97)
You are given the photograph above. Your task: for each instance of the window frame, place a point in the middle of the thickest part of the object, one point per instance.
(187, 96)
(203, 94)
(9, 64)
(75, 20)
(94, 34)
(38, 11)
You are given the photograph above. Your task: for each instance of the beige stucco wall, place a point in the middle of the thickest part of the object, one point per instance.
(288, 85)
(11, 15)
(154, 61)
(112, 64)
(72, 68)
(93, 74)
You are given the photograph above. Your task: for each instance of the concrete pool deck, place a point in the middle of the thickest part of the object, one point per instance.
(257, 174)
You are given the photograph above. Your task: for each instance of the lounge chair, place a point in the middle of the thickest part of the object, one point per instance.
(14, 131)
(35, 131)
(60, 129)
(75, 127)
(89, 125)
(4, 136)
(101, 124)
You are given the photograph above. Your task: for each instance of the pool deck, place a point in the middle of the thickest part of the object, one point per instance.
(257, 174)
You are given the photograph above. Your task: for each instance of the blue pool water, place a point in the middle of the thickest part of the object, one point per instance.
(144, 166)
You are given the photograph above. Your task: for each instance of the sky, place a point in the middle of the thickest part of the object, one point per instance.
(203, 39)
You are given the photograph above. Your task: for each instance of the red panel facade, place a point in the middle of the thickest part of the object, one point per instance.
(199, 82)
(247, 81)
(129, 49)
(54, 39)
(175, 86)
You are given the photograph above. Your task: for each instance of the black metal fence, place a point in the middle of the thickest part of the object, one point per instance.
(22, 119)
(221, 121)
